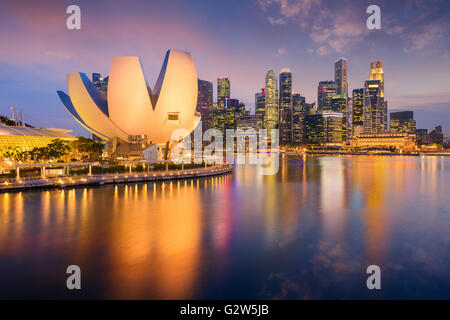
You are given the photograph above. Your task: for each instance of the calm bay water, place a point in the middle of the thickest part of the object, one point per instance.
(308, 232)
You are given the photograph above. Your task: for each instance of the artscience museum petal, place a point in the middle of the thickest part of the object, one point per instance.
(130, 106)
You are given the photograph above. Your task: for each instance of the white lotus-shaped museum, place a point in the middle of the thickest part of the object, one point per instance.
(131, 107)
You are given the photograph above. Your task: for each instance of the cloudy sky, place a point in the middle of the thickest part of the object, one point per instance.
(241, 39)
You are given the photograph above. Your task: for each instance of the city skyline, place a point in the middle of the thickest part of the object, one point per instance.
(220, 155)
(303, 36)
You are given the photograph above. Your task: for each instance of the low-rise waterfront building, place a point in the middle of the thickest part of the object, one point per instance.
(26, 139)
(402, 141)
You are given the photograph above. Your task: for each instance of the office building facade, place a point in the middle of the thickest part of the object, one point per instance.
(402, 121)
(325, 93)
(374, 108)
(357, 111)
(340, 77)
(223, 92)
(332, 127)
(205, 103)
(285, 106)
(298, 119)
(314, 129)
(260, 103)
(271, 108)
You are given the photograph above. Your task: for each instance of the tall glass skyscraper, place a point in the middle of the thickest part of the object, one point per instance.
(332, 127)
(285, 106)
(205, 103)
(358, 111)
(377, 73)
(339, 105)
(374, 108)
(340, 76)
(260, 103)
(298, 119)
(325, 93)
(271, 110)
(314, 133)
(223, 92)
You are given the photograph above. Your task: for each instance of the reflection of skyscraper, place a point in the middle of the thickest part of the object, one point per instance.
(377, 73)
(271, 111)
(205, 103)
(285, 106)
(358, 111)
(260, 103)
(223, 92)
(403, 122)
(325, 92)
(340, 76)
(298, 119)
(374, 107)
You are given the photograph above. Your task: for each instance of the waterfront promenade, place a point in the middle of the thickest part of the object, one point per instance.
(10, 185)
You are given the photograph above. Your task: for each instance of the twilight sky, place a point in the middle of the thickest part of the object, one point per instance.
(241, 39)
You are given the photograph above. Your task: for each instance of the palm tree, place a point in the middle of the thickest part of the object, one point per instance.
(2, 156)
(91, 147)
(94, 148)
(12, 153)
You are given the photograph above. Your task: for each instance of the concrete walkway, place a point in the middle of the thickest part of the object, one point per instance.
(11, 185)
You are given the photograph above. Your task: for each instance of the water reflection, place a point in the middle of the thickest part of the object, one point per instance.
(307, 232)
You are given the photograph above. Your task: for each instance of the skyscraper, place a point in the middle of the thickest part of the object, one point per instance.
(298, 119)
(338, 103)
(422, 136)
(205, 103)
(285, 106)
(403, 122)
(332, 127)
(374, 107)
(96, 79)
(314, 128)
(358, 111)
(385, 115)
(260, 103)
(237, 110)
(271, 110)
(340, 76)
(223, 118)
(325, 92)
(377, 73)
(99, 82)
(436, 136)
(223, 92)
(349, 125)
